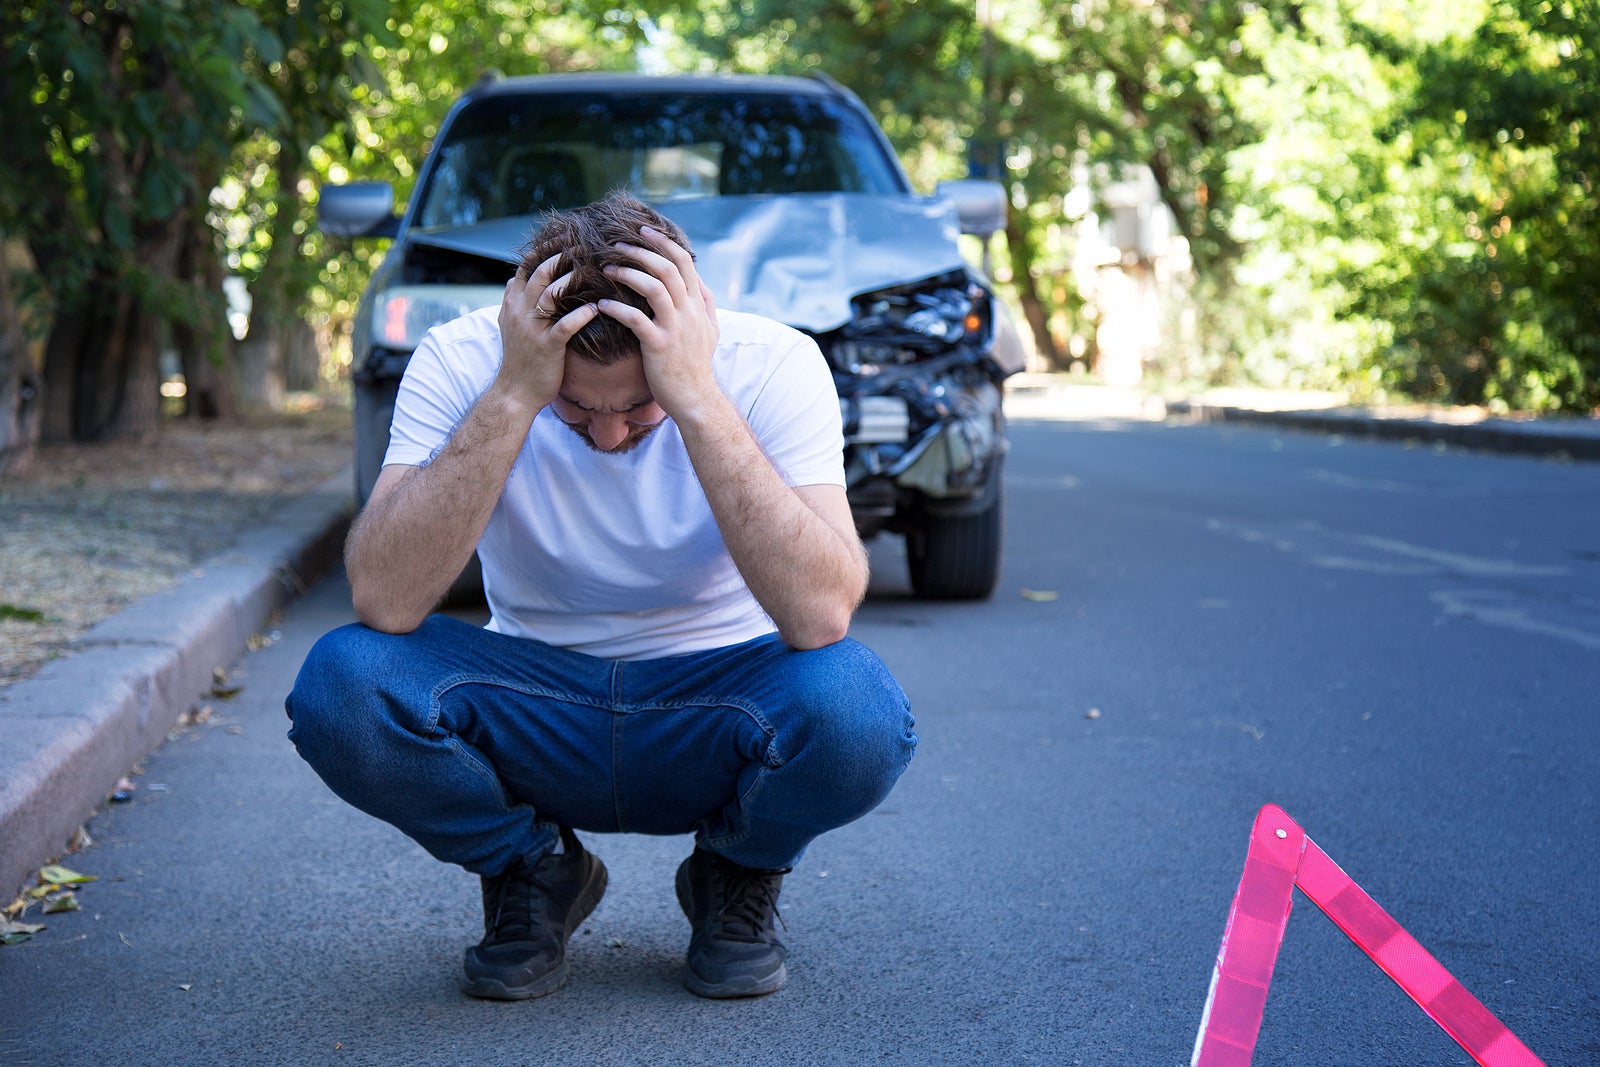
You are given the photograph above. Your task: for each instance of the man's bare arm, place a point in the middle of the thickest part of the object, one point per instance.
(796, 548)
(421, 524)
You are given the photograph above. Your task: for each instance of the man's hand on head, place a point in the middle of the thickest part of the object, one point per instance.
(678, 342)
(533, 341)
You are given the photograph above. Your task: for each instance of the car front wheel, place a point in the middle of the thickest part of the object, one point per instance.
(374, 408)
(957, 557)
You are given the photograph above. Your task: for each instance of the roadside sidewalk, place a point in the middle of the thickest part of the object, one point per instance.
(76, 726)
(1572, 437)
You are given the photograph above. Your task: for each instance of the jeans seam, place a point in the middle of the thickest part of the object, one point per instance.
(617, 809)
(745, 708)
(481, 769)
(458, 747)
(744, 802)
(771, 755)
(457, 680)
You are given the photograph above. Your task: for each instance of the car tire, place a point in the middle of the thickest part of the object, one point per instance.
(374, 410)
(957, 557)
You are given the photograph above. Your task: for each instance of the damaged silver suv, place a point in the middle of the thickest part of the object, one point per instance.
(797, 209)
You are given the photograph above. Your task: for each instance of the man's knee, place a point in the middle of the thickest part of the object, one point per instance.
(854, 716)
(334, 668)
(345, 689)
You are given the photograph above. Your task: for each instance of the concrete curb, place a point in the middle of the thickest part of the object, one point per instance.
(1574, 438)
(78, 724)
(1050, 395)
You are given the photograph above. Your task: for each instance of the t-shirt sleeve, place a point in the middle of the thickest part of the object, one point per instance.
(436, 394)
(796, 417)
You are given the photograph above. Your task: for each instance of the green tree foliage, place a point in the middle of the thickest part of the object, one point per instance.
(115, 113)
(1154, 85)
(125, 115)
(1324, 204)
(321, 64)
(1418, 215)
(1510, 314)
(1132, 86)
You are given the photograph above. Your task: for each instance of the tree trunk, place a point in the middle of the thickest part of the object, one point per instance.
(302, 361)
(262, 358)
(122, 400)
(1020, 246)
(258, 369)
(135, 414)
(103, 361)
(203, 346)
(208, 387)
(62, 353)
(100, 361)
(21, 404)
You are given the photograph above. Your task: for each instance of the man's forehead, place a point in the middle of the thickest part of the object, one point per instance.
(619, 386)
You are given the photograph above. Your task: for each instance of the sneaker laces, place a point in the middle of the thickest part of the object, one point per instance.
(749, 898)
(513, 914)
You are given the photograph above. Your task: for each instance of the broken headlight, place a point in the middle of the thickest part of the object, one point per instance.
(910, 323)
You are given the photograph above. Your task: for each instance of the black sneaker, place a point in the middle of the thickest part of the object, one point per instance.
(734, 950)
(529, 912)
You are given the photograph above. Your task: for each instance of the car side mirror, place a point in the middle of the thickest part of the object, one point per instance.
(980, 205)
(357, 209)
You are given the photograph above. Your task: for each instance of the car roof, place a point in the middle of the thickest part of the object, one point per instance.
(631, 82)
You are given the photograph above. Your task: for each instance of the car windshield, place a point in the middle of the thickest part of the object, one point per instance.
(511, 154)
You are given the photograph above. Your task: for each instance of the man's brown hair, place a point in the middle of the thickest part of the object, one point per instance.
(586, 238)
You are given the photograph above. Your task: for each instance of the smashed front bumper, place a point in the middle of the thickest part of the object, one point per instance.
(920, 442)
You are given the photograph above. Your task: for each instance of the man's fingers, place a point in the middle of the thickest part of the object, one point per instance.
(669, 248)
(568, 325)
(625, 313)
(660, 264)
(546, 303)
(537, 291)
(543, 272)
(647, 285)
(525, 284)
(680, 257)
(517, 282)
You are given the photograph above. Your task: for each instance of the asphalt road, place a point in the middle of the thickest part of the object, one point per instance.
(1398, 646)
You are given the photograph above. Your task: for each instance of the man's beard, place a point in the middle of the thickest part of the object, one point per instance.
(635, 435)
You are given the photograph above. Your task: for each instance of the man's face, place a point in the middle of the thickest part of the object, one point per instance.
(611, 408)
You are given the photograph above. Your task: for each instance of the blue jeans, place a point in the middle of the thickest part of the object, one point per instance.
(478, 745)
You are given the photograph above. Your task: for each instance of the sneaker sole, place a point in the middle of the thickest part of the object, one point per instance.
(737, 987)
(494, 989)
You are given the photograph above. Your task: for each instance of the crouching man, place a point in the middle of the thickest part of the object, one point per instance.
(655, 490)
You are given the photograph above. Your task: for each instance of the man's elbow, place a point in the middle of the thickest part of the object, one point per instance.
(819, 631)
(384, 616)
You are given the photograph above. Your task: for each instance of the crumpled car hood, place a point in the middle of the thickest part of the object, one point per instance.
(799, 259)
(795, 258)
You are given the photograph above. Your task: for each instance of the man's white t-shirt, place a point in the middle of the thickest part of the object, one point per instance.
(619, 555)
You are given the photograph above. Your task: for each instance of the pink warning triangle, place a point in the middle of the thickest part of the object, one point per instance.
(1282, 857)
